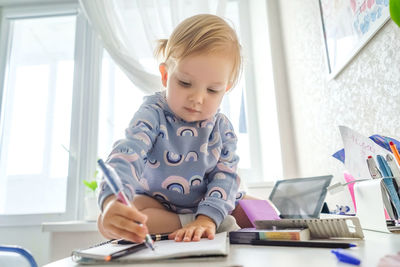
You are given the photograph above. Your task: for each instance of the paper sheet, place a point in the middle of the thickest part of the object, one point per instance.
(357, 149)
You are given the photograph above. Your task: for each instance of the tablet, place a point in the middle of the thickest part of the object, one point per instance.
(300, 197)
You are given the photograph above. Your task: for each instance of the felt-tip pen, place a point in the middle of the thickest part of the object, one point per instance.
(384, 167)
(373, 169)
(395, 151)
(114, 181)
(156, 237)
(346, 258)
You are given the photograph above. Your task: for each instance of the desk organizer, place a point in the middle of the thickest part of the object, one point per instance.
(372, 199)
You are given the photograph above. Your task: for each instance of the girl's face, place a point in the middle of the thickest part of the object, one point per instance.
(196, 85)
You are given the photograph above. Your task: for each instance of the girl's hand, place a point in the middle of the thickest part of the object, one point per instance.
(203, 226)
(121, 221)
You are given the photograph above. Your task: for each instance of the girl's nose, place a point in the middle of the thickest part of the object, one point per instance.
(197, 96)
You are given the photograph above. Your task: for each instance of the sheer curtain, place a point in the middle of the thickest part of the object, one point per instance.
(129, 30)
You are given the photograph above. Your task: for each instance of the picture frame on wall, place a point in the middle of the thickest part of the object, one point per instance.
(347, 26)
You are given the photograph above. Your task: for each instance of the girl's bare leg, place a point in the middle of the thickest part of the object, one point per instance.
(240, 216)
(159, 219)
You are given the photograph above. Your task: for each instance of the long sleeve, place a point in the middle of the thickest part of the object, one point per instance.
(223, 181)
(129, 155)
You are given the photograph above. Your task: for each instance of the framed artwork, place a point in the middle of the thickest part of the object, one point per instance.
(347, 26)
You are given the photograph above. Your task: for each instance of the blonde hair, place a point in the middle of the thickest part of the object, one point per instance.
(202, 34)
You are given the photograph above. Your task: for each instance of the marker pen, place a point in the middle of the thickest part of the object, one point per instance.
(346, 258)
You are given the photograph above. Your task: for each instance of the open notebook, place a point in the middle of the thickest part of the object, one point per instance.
(164, 250)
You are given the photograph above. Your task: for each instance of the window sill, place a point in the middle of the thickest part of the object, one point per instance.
(70, 226)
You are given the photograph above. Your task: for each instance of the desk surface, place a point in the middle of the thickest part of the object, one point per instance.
(370, 251)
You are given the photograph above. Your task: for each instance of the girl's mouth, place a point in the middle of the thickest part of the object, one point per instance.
(191, 110)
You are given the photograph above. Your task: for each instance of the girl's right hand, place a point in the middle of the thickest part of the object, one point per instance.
(121, 221)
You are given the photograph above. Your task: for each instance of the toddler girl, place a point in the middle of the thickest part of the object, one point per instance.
(178, 162)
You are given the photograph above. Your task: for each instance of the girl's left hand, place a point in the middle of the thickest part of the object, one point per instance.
(203, 226)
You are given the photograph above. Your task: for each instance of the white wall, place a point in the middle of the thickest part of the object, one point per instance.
(28, 237)
(365, 96)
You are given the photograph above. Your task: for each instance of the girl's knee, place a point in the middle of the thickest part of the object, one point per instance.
(239, 214)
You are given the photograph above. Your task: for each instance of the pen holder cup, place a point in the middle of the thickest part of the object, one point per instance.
(369, 196)
(91, 211)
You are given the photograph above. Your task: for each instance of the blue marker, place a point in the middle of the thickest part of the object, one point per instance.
(346, 258)
(388, 180)
(385, 169)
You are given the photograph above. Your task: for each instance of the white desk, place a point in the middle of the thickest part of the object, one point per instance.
(370, 251)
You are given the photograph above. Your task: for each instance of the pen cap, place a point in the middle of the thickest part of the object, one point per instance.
(111, 176)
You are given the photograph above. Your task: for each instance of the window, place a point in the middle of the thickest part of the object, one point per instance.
(41, 123)
(119, 100)
(236, 98)
(36, 112)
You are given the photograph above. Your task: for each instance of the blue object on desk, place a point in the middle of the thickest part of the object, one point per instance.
(346, 258)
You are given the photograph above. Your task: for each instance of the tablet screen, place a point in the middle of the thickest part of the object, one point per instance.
(300, 197)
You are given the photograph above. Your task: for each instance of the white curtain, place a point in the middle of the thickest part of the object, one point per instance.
(129, 30)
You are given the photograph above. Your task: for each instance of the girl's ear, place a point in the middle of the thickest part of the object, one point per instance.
(228, 87)
(164, 74)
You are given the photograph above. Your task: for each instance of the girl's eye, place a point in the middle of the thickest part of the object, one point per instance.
(212, 91)
(184, 84)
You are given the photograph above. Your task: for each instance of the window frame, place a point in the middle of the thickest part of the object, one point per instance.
(87, 56)
(257, 49)
(255, 173)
